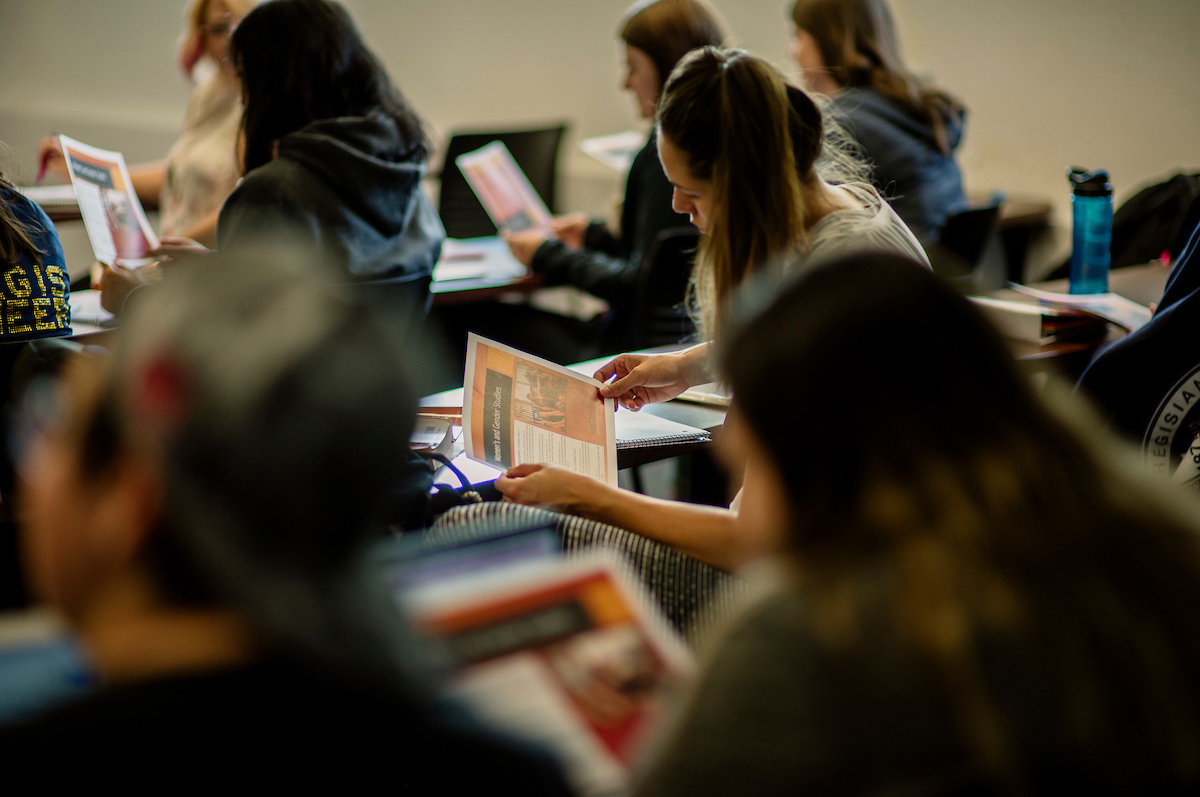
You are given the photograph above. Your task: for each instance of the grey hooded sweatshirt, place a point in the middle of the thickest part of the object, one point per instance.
(347, 188)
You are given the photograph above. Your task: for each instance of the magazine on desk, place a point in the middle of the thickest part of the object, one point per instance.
(503, 189)
(112, 214)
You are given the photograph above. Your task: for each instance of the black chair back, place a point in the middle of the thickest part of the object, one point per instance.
(661, 316)
(535, 151)
(969, 254)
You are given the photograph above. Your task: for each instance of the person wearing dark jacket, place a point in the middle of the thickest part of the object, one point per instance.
(847, 49)
(1147, 384)
(586, 253)
(333, 156)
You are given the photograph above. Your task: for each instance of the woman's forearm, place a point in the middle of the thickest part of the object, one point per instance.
(148, 180)
(708, 533)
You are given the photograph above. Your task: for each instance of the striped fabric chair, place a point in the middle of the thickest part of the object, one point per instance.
(692, 594)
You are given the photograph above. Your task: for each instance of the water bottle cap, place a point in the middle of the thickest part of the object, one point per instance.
(1089, 183)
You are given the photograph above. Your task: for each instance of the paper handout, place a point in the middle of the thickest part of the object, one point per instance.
(503, 188)
(112, 214)
(520, 409)
(1117, 309)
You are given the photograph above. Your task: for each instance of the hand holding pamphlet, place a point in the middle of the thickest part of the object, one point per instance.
(520, 409)
(115, 221)
(503, 189)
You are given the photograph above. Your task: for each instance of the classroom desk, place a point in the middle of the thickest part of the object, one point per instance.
(482, 289)
(700, 416)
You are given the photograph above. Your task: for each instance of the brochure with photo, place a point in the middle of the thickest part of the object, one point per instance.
(567, 653)
(503, 188)
(112, 214)
(520, 409)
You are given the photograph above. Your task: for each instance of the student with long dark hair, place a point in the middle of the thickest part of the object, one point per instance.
(333, 154)
(971, 596)
(586, 253)
(749, 161)
(908, 131)
(200, 512)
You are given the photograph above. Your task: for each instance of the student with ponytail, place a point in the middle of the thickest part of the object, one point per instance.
(751, 165)
(907, 130)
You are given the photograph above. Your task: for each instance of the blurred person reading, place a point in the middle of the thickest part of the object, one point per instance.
(189, 186)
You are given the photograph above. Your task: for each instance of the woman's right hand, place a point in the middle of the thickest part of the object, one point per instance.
(571, 229)
(643, 379)
(51, 159)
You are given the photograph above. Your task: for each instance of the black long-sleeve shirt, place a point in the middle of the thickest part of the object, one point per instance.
(609, 265)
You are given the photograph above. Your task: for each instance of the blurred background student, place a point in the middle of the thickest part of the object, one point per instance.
(973, 598)
(333, 158)
(190, 184)
(200, 513)
(588, 254)
(908, 131)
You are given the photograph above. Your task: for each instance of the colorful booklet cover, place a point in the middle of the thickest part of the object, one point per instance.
(520, 409)
(112, 214)
(567, 653)
(503, 189)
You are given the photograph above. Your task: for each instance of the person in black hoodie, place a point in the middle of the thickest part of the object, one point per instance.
(1147, 384)
(587, 254)
(333, 155)
(848, 50)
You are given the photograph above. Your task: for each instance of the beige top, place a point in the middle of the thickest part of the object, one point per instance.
(202, 165)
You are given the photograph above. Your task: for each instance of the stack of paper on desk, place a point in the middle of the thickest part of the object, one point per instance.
(1042, 324)
(53, 199)
(477, 258)
(1110, 306)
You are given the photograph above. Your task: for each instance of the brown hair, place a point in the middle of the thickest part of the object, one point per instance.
(952, 521)
(667, 30)
(857, 40)
(757, 140)
(16, 238)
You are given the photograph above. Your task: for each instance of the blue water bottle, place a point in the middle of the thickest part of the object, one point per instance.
(1092, 212)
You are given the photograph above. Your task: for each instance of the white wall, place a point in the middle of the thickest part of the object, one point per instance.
(1049, 82)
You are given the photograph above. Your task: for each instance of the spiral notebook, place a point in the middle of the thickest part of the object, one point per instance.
(643, 430)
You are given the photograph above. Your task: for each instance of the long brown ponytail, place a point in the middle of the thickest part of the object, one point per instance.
(16, 238)
(857, 40)
(756, 140)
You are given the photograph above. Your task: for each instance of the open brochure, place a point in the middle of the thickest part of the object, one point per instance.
(566, 653)
(503, 189)
(115, 221)
(520, 409)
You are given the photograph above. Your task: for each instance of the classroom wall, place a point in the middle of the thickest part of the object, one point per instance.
(1049, 82)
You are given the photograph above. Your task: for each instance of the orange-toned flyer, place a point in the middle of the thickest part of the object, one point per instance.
(520, 409)
(112, 214)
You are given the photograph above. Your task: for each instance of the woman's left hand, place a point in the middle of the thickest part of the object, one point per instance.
(524, 244)
(547, 485)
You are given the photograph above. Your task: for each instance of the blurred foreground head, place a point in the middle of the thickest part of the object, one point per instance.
(943, 520)
(238, 451)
